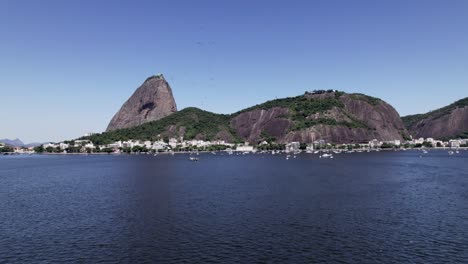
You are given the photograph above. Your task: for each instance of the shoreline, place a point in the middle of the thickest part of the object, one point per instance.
(234, 151)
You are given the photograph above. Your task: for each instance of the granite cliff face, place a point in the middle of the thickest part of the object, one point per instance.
(152, 101)
(332, 116)
(447, 122)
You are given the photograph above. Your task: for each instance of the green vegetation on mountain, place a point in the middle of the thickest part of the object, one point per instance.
(195, 122)
(404, 134)
(265, 136)
(306, 123)
(463, 135)
(299, 105)
(302, 107)
(413, 119)
(369, 99)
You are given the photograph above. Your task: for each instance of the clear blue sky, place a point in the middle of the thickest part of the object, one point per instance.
(67, 66)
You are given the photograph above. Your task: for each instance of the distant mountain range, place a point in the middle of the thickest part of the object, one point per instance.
(331, 115)
(18, 143)
(447, 122)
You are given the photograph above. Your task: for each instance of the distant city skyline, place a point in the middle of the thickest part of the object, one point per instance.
(67, 67)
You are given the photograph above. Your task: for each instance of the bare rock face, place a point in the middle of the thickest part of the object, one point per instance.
(152, 101)
(343, 118)
(250, 125)
(447, 122)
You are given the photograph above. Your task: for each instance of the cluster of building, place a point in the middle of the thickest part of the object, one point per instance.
(421, 142)
(118, 146)
(85, 144)
(376, 144)
(18, 150)
(174, 144)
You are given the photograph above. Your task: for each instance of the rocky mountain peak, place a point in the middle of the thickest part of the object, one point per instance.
(152, 101)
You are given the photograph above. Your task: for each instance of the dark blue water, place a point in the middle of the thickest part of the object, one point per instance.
(387, 207)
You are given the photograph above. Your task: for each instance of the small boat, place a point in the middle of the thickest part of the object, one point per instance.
(326, 155)
(450, 152)
(193, 159)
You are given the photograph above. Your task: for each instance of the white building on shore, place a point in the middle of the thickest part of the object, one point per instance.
(455, 143)
(245, 147)
(293, 147)
(117, 144)
(63, 146)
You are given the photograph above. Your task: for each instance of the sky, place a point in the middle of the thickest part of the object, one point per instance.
(66, 67)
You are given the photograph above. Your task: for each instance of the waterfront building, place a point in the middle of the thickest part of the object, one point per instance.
(115, 145)
(319, 143)
(63, 146)
(454, 143)
(375, 143)
(147, 144)
(50, 145)
(418, 141)
(159, 145)
(293, 147)
(245, 147)
(81, 143)
(173, 142)
(89, 145)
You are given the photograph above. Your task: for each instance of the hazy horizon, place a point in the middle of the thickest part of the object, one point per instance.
(67, 67)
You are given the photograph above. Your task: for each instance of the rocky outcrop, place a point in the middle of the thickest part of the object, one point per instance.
(251, 124)
(335, 117)
(152, 101)
(447, 122)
